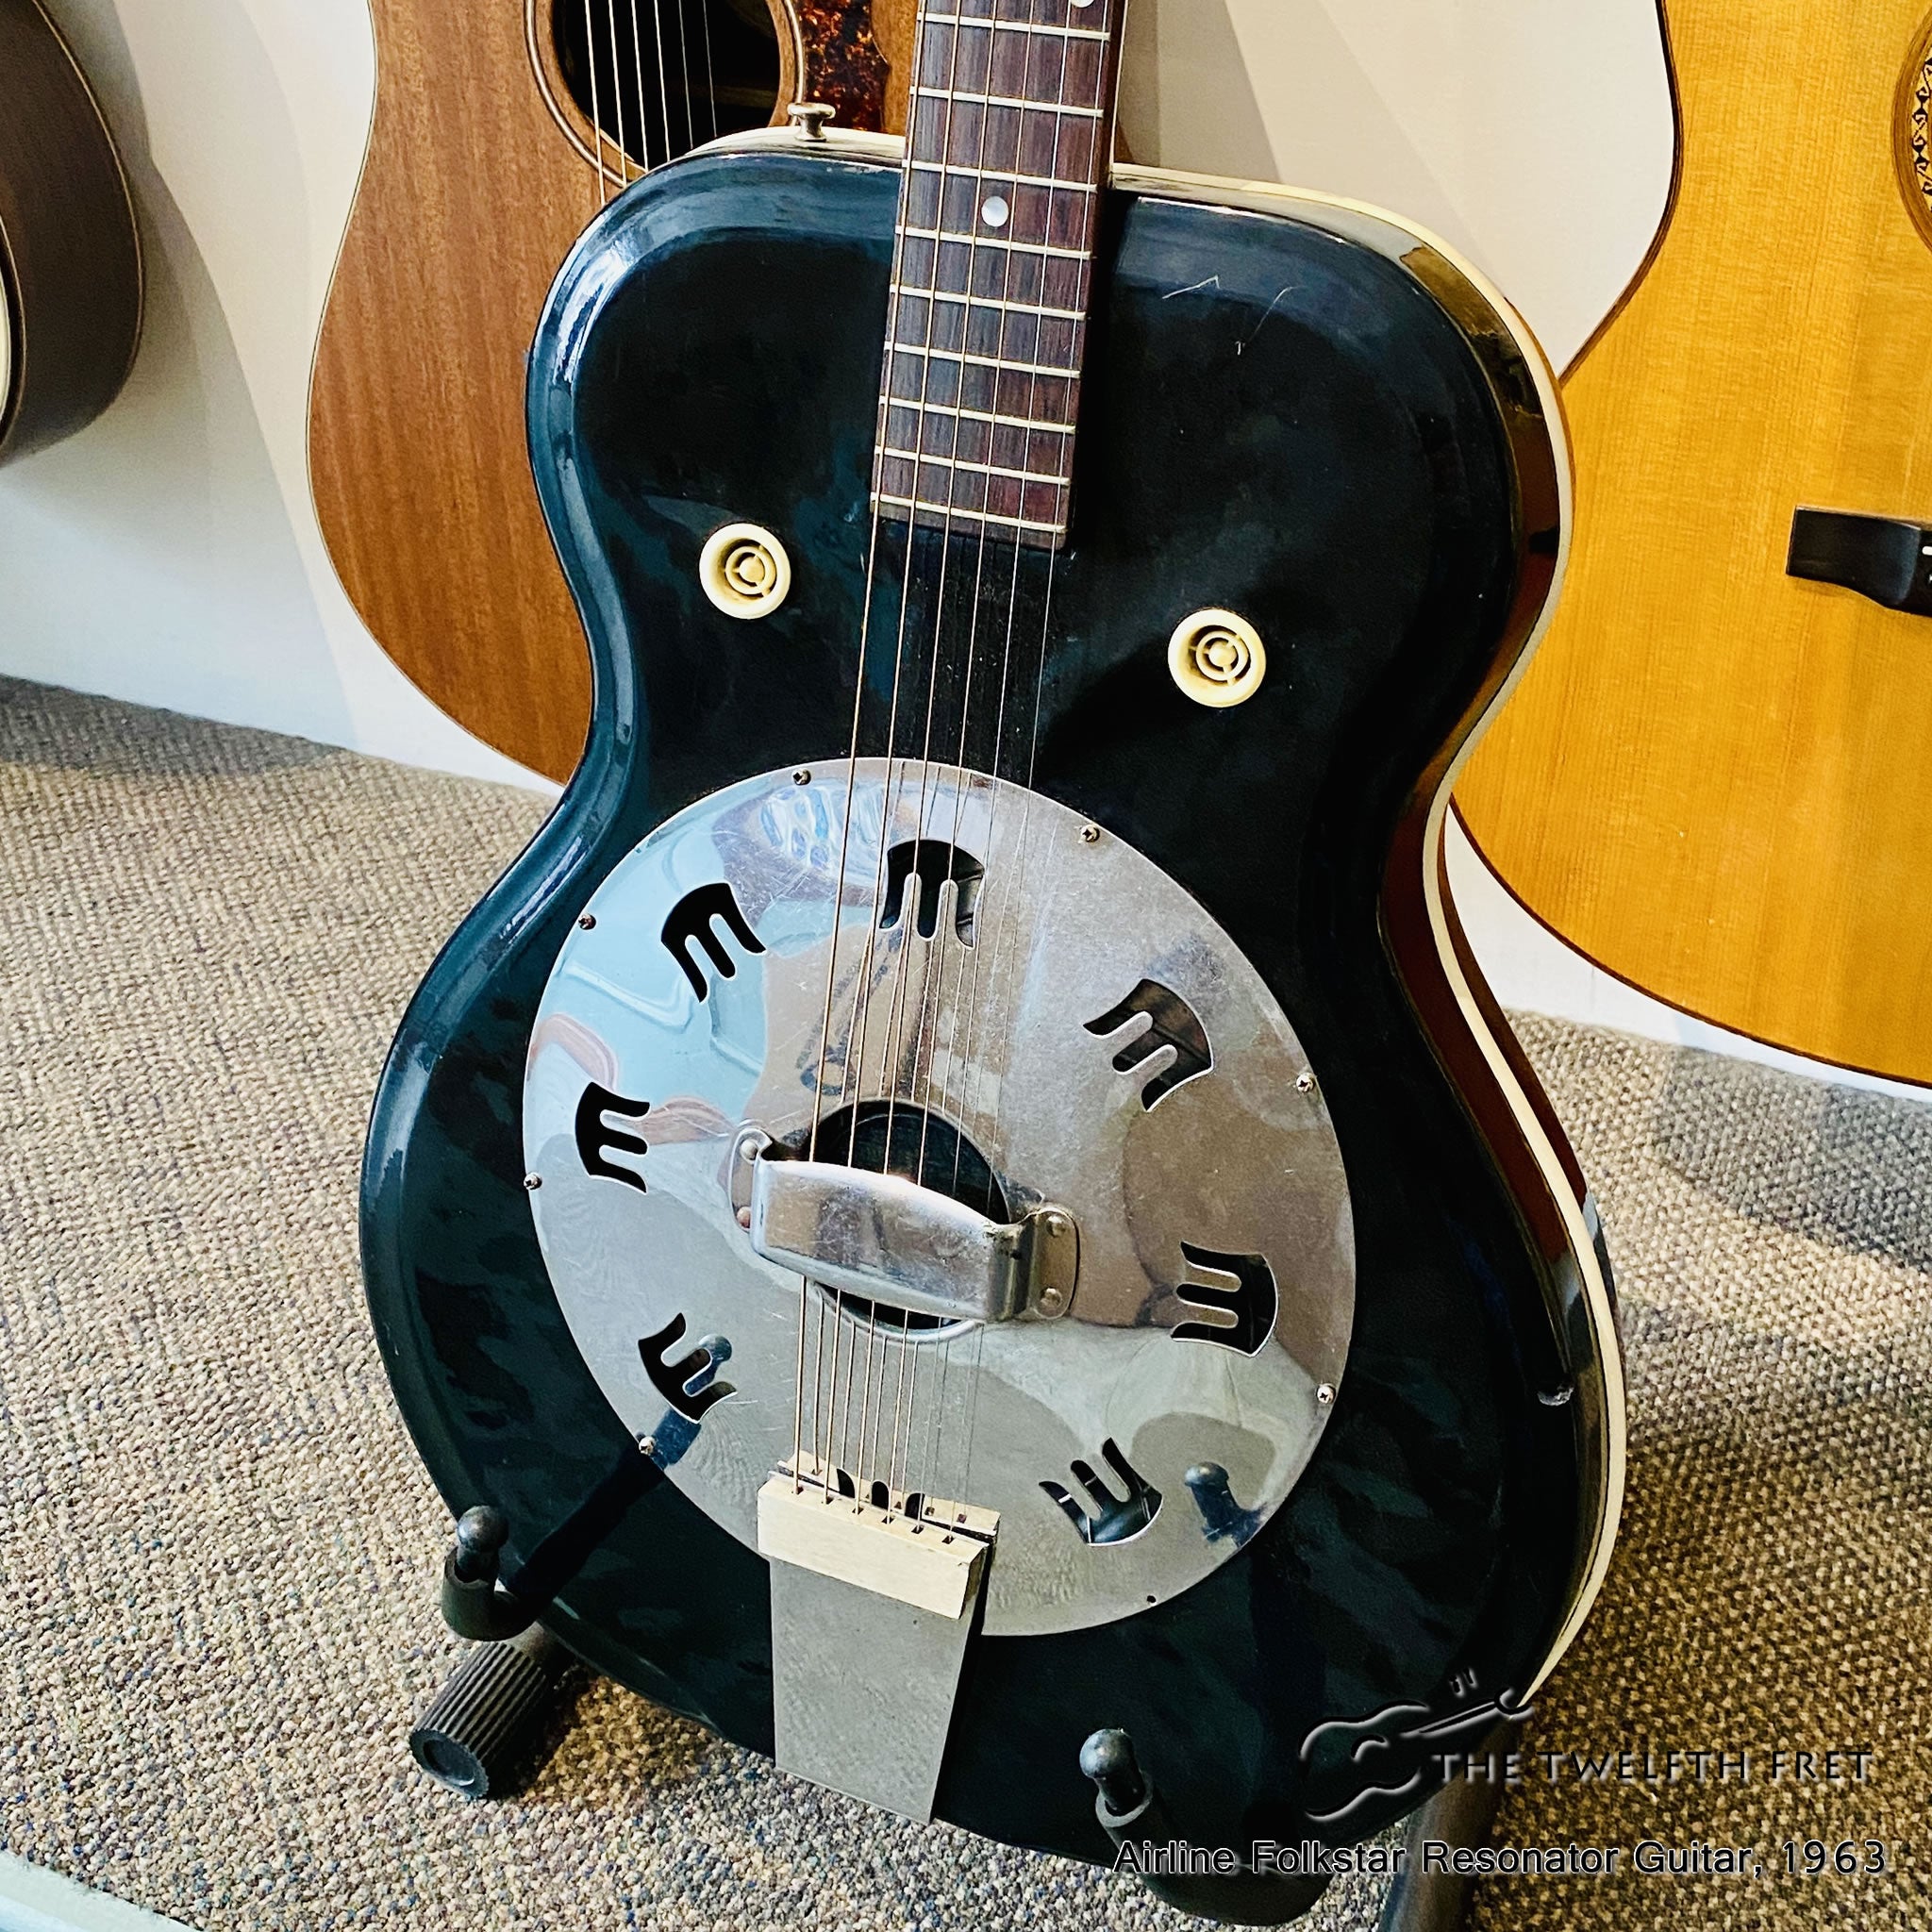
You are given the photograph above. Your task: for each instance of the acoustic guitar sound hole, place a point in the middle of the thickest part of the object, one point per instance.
(659, 77)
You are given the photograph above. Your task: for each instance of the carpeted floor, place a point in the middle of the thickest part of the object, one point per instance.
(217, 1553)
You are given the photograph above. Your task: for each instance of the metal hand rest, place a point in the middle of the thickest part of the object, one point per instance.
(895, 1242)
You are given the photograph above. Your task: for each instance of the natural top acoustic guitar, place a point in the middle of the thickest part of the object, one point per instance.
(1715, 779)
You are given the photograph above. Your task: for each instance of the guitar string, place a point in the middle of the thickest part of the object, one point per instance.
(912, 885)
(1102, 136)
(862, 997)
(616, 94)
(636, 61)
(596, 118)
(909, 953)
(1017, 871)
(663, 73)
(906, 1427)
(690, 125)
(825, 1395)
(1000, 894)
(710, 72)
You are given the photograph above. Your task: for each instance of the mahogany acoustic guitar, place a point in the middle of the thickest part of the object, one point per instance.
(500, 129)
(70, 254)
(1715, 780)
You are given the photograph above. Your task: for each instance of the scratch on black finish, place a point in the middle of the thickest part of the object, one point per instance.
(711, 353)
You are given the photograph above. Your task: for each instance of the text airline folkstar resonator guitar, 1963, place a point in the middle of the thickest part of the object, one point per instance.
(960, 1207)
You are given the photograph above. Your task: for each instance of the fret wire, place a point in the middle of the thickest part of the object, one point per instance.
(960, 410)
(1016, 26)
(997, 362)
(1051, 478)
(983, 516)
(993, 177)
(983, 242)
(1012, 307)
(1019, 341)
(972, 100)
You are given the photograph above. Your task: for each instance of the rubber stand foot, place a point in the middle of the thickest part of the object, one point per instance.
(481, 1725)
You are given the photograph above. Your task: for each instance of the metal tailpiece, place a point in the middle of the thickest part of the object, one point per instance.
(899, 1579)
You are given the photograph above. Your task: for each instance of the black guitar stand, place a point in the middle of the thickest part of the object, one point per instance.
(483, 1726)
(482, 1729)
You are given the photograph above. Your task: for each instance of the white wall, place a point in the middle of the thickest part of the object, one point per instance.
(1536, 136)
(169, 554)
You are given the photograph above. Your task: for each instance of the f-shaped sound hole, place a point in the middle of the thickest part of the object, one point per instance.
(1172, 1024)
(597, 1139)
(928, 864)
(690, 1383)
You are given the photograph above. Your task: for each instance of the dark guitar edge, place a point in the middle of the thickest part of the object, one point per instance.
(83, 297)
(1453, 1003)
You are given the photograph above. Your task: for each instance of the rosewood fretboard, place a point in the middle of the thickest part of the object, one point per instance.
(1010, 132)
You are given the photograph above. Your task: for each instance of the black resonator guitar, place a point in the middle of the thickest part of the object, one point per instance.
(962, 1206)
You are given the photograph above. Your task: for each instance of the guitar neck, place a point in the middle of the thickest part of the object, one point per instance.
(1010, 130)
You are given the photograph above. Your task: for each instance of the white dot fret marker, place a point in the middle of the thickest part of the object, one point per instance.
(996, 212)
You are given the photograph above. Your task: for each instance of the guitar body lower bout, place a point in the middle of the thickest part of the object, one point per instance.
(1280, 420)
